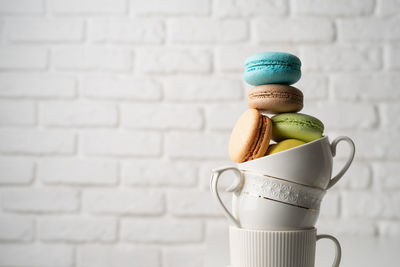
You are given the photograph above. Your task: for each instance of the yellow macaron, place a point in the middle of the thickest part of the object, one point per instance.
(284, 145)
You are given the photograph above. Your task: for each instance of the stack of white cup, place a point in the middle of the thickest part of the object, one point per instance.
(276, 202)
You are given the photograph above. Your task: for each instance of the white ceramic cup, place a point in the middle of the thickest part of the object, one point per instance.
(266, 203)
(309, 164)
(295, 248)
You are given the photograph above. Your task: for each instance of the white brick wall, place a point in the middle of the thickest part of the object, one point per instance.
(16, 228)
(35, 85)
(121, 255)
(23, 58)
(149, 31)
(21, 7)
(76, 229)
(113, 112)
(160, 230)
(45, 30)
(15, 171)
(45, 255)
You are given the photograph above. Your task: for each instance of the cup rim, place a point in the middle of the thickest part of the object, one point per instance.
(304, 230)
(323, 138)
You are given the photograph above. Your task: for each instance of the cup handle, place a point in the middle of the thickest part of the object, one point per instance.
(235, 187)
(334, 143)
(338, 249)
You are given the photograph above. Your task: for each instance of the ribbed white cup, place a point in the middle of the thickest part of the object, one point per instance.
(254, 248)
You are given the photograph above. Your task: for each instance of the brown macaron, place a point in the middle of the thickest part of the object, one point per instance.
(276, 98)
(250, 137)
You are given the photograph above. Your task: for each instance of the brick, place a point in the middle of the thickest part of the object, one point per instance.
(158, 172)
(79, 114)
(269, 30)
(2, 29)
(196, 145)
(193, 88)
(340, 58)
(170, 7)
(193, 256)
(44, 30)
(37, 85)
(370, 144)
(15, 171)
(368, 29)
(120, 255)
(16, 228)
(363, 86)
(231, 58)
(216, 231)
(205, 171)
(389, 229)
(121, 144)
(394, 57)
(342, 115)
(392, 149)
(387, 7)
(333, 7)
(250, 8)
(204, 30)
(76, 229)
(40, 199)
(382, 205)
(162, 117)
(77, 171)
(23, 58)
(112, 201)
(88, 6)
(194, 203)
(36, 255)
(330, 206)
(120, 87)
(92, 58)
(17, 7)
(223, 116)
(386, 174)
(141, 31)
(173, 61)
(161, 230)
(346, 227)
(37, 142)
(17, 113)
(358, 176)
(313, 86)
(388, 113)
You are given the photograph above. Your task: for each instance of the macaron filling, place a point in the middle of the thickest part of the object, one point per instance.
(254, 65)
(281, 95)
(255, 147)
(296, 125)
(304, 123)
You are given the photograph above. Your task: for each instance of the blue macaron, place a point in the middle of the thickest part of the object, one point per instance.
(272, 68)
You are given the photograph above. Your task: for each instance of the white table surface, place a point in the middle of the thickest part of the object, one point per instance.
(361, 251)
(356, 251)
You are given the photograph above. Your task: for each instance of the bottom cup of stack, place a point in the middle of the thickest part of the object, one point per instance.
(291, 248)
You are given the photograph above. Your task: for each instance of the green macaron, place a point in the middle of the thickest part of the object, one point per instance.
(296, 125)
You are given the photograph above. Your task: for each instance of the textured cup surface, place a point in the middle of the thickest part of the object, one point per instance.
(272, 248)
(267, 187)
(263, 203)
(293, 248)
